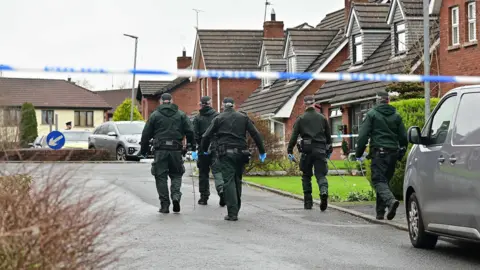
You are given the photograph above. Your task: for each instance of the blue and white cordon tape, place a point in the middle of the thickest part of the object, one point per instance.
(230, 74)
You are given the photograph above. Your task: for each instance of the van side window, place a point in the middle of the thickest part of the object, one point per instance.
(440, 123)
(467, 126)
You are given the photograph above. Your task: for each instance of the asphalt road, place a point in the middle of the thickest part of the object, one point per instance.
(273, 232)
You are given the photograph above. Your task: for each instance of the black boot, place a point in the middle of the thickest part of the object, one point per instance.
(323, 202)
(222, 199)
(307, 201)
(392, 209)
(164, 208)
(176, 206)
(380, 216)
(203, 200)
(231, 218)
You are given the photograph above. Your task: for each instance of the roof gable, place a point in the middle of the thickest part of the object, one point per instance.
(392, 10)
(116, 97)
(150, 88)
(368, 16)
(308, 41)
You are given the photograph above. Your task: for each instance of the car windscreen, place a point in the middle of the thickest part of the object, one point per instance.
(76, 136)
(130, 128)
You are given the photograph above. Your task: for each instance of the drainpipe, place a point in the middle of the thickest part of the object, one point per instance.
(218, 94)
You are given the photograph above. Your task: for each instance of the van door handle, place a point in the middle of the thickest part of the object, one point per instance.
(452, 159)
(441, 159)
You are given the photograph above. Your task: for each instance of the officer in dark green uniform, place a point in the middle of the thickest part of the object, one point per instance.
(388, 142)
(168, 126)
(206, 160)
(230, 128)
(316, 142)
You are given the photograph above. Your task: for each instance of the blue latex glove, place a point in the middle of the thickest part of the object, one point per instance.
(263, 157)
(360, 159)
(291, 157)
(205, 153)
(194, 155)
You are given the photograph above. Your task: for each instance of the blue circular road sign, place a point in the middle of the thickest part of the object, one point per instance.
(55, 140)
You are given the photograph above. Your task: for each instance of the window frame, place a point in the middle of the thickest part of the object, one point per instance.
(78, 124)
(472, 21)
(333, 131)
(455, 25)
(291, 65)
(11, 116)
(458, 119)
(426, 138)
(266, 81)
(355, 44)
(44, 118)
(397, 34)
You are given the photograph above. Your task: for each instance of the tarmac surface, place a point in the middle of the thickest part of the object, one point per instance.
(273, 232)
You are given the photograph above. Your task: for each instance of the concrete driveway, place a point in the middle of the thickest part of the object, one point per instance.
(273, 232)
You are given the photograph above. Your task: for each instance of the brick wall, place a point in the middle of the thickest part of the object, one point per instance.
(239, 90)
(463, 59)
(149, 104)
(187, 97)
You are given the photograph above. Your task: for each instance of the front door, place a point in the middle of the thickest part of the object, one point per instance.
(463, 164)
(431, 160)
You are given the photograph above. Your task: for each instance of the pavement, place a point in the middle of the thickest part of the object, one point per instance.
(273, 232)
(368, 208)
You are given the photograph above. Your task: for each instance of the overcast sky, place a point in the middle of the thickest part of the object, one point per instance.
(89, 33)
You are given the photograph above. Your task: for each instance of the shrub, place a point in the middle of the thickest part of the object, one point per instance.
(122, 113)
(43, 225)
(28, 125)
(272, 144)
(413, 114)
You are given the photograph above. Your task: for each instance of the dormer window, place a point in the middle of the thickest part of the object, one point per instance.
(400, 38)
(357, 49)
(292, 64)
(266, 81)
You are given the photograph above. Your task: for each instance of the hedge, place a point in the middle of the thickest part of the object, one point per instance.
(34, 154)
(413, 114)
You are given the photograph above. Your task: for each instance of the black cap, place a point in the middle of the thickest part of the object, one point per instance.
(228, 100)
(205, 100)
(166, 97)
(309, 100)
(68, 123)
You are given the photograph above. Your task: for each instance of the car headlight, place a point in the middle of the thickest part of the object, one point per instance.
(132, 140)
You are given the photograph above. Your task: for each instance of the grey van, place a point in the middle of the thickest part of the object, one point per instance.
(442, 174)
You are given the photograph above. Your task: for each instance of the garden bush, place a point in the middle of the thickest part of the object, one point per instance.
(122, 113)
(413, 114)
(45, 224)
(28, 125)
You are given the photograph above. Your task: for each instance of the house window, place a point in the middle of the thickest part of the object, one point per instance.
(278, 129)
(455, 26)
(292, 64)
(472, 21)
(357, 49)
(11, 117)
(266, 81)
(83, 118)
(48, 117)
(400, 40)
(336, 125)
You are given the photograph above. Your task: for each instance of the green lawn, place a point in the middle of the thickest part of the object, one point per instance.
(340, 164)
(336, 186)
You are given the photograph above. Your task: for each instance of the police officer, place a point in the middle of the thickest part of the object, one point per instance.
(316, 142)
(167, 125)
(205, 161)
(231, 127)
(388, 142)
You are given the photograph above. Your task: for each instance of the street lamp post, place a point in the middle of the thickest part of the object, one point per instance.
(134, 69)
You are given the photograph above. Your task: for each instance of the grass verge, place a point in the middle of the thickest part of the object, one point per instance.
(354, 188)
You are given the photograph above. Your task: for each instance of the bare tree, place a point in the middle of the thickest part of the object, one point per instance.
(84, 83)
(123, 85)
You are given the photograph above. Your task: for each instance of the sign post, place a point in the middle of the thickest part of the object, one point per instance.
(55, 140)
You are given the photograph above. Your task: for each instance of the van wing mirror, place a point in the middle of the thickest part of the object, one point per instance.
(414, 135)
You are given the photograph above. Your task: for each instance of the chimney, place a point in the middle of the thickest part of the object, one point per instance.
(69, 79)
(273, 28)
(184, 61)
(348, 6)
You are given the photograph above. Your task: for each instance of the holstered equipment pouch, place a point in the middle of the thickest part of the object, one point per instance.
(307, 146)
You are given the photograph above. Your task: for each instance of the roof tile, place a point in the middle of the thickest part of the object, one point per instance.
(115, 97)
(151, 87)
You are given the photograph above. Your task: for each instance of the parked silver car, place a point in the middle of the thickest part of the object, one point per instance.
(442, 174)
(120, 138)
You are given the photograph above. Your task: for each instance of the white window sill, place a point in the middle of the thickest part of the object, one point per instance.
(470, 43)
(356, 66)
(454, 47)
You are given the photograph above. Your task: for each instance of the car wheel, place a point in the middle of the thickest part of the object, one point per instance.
(418, 237)
(121, 153)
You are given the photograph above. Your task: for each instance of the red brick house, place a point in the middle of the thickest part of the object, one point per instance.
(383, 37)
(115, 97)
(459, 50)
(302, 49)
(148, 97)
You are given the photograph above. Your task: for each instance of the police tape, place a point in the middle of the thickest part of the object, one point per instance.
(232, 74)
(345, 136)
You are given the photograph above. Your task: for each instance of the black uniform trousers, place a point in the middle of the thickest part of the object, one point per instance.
(383, 168)
(316, 160)
(204, 164)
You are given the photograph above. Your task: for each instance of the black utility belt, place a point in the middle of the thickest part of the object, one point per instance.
(168, 145)
(385, 150)
(237, 151)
